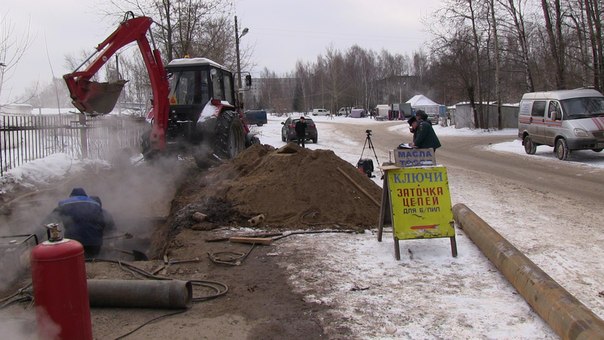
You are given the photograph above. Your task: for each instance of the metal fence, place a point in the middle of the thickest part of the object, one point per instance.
(24, 138)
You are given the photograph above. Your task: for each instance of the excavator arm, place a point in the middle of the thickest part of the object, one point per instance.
(99, 98)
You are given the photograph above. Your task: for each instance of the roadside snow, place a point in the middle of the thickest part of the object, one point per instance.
(43, 171)
(428, 294)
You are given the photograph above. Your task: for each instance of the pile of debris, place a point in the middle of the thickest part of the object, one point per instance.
(292, 187)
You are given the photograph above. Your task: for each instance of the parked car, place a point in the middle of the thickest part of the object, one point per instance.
(255, 117)
(288, 131)
(433, 118)
(344, 111)
(320, 112)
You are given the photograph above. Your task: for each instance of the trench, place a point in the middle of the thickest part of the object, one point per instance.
(16, 247)
(138, 197)
(133, 245)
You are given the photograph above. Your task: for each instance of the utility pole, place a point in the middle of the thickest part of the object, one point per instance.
(238, 58)
(239, 86)
(2, 66)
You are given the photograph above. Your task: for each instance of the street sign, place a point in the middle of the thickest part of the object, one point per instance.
(417, 202)
(414, 157)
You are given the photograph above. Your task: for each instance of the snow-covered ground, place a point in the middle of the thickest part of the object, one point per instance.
(428, 293)
(44, 171)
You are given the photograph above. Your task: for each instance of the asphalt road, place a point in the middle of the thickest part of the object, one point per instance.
(542, 174)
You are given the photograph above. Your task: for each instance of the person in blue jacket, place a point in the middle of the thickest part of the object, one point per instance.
(83, 219)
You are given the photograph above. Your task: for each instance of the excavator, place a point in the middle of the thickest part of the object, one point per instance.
(194, 105)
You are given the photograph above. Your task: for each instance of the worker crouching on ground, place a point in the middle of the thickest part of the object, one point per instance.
(83, 219)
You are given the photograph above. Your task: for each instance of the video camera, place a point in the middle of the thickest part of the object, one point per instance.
(365, 165)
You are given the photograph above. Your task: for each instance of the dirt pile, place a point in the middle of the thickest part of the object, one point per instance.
(294, 188)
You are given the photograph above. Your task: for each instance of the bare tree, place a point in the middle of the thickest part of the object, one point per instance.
(553, 27)
(45, 95)
(493, 23)
(336, 84)
(455, 58)
(13, 46)
(186, 28)
(593, 12)
(473, 17)
(361, 69)
(516, 12)
(303, 75)
(463, 32)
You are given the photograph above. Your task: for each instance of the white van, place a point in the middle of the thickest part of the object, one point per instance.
(344, 111)
(382, 110)
(566, 119)
(320, 112)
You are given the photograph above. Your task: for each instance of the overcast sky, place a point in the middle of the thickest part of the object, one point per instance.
(281, 32)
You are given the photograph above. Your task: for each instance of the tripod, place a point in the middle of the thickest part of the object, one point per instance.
(368, 168)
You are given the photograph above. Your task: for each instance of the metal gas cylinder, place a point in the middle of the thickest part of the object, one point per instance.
(60, 288)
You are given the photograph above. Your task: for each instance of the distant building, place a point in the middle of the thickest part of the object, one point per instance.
(16, 109)
(463, 116)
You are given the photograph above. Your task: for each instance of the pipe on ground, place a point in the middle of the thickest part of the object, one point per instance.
(566, 315)
(171, 294)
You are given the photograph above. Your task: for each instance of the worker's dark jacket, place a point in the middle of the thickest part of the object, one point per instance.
(83, 220)
(300, 128)
(426, 138)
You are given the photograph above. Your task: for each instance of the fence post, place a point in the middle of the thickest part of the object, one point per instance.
(83, 136)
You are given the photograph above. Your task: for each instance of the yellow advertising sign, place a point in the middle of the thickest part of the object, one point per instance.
(420, 202)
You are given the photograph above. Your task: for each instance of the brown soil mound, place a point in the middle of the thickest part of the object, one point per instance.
(294, 188)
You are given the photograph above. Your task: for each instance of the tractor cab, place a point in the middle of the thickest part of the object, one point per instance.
(196, 83)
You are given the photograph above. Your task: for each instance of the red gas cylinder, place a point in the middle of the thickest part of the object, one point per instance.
(60, 289)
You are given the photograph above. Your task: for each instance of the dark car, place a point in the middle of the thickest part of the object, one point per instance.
(288, 131)
(255, 117)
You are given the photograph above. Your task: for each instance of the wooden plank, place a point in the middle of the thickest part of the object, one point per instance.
(359, 187)
(390, 167)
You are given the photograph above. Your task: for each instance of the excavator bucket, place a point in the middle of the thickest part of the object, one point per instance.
(97, 98)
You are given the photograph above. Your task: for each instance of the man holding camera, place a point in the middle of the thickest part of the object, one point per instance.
(424, 137)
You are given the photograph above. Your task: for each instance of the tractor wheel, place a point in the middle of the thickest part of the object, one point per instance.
(229, 139)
